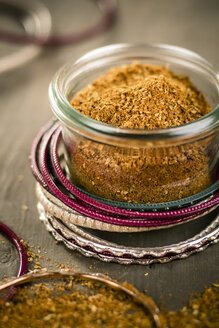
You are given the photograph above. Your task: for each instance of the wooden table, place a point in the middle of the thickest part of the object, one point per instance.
(24, 109)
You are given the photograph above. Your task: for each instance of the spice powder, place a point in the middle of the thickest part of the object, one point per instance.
(140, 96)
(63, 304)
(73, 303)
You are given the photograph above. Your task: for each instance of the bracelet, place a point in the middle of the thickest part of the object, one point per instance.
(108, 9)
(21, 252)
(39, 26)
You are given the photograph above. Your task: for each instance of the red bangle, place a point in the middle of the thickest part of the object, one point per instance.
(22, 256)
(108, 9)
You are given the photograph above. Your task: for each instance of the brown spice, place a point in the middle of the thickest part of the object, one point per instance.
(76, 303)
(148, 97)
(20, 178)
(201, 312)
(142, 96)
(24, 207)
(139, 176)
(38, 259)
(72, 304)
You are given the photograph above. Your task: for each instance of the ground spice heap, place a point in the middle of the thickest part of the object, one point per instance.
(147, 97)
(142, 96)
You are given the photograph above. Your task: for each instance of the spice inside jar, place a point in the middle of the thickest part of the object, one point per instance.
(140, 96)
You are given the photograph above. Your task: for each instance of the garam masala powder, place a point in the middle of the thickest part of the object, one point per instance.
(64, 305)
(141, 96)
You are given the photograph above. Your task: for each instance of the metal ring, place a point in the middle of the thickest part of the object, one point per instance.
(21, 252)
(108, 10)
(36, 21)
(138, 297)
(89, 245)
(54, 207)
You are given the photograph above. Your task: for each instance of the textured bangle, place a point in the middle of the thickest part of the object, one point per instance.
(103, 248)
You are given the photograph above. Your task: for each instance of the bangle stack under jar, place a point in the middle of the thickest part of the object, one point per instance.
(99, 177)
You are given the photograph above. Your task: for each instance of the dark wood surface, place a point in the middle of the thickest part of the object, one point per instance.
(24, 108)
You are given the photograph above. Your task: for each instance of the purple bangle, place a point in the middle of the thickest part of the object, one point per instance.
(34, 151)
(108, 9)
(22, 256)
(48, 138)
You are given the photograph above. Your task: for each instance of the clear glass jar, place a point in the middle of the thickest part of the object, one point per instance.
(138, 165)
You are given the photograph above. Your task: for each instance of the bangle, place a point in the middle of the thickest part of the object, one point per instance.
(21, 252)
(108, 9)
(39, 26)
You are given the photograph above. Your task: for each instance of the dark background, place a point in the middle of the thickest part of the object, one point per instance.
(24, 108)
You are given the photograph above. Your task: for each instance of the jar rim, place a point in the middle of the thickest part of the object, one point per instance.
(69, 116)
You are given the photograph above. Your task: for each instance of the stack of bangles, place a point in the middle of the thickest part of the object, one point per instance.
(72, 208)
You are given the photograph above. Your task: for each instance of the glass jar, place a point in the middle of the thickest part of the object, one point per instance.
(138, 165)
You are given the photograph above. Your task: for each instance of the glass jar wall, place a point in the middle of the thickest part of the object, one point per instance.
(138, 165)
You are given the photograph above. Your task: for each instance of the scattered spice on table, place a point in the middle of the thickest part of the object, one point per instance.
(201, 312)
(38, 259)
(20, 178)
(25, 207)
(147, 97)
